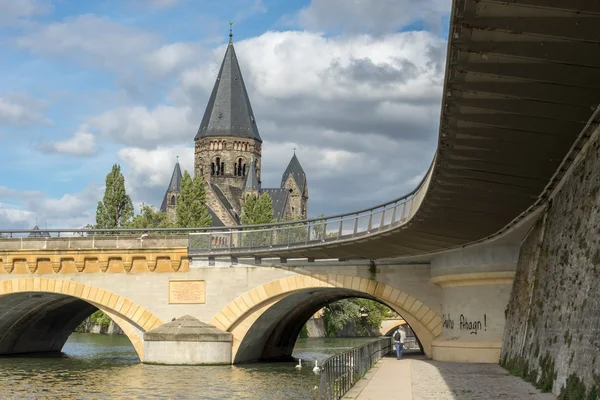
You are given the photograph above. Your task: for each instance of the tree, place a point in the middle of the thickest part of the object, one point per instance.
(257, 211)
(150, 217)
(115, 209)
(191, 210)
(364, 315)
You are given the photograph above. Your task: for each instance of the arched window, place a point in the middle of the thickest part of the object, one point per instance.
(224, 144)
(218, 162)
(212, 168)
(244, 170)
(173, 200)
(239, 167)
(222, 168)
(246, 147)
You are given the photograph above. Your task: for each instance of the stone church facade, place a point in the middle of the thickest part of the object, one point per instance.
(228, 154)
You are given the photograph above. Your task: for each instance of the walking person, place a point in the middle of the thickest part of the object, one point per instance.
(399, 337)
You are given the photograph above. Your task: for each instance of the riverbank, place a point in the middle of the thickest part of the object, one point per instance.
(99, 322)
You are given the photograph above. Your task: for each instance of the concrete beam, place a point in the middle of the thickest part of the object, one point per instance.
(525, 108)
(562, 74)
(574, 6)
(583, 29)
(532, 91)
(574, 53)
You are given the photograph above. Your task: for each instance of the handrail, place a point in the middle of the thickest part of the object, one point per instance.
(234, 227)
(341, 371)
(246, 239)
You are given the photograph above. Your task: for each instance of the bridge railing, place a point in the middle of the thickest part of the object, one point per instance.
(341, 371)
(239, 239)
(310, 232)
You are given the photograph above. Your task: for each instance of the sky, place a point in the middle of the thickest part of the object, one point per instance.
(354, 85)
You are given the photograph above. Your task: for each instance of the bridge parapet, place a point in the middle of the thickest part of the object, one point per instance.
(76, 254)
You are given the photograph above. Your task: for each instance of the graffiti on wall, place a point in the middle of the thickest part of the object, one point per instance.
(464, 324)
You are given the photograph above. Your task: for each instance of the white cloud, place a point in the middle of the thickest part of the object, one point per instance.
(82, 144)
(21, 110)
(147, 172)
(21, 209)
(98, 42)
(93, 41)
(379, 16)
(139, 126)
(14, 11)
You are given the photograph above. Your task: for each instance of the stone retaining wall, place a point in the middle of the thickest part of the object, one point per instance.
(552, 333)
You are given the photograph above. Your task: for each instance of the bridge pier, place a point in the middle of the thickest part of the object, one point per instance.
(476, 283)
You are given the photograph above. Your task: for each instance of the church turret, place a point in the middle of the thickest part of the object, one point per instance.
(294, 179)
(252, 185)
(172, 194)
(228, 136)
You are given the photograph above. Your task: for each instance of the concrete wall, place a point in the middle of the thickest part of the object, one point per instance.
(553, 318)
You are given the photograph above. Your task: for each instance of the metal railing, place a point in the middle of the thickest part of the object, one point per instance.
(310, 232)
(246, 239)
(341, 371)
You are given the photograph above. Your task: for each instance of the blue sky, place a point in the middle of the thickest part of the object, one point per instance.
(354, 85)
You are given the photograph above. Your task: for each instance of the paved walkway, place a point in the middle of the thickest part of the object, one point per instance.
(416, 378)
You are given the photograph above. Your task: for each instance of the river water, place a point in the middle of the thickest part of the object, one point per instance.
(103, 367)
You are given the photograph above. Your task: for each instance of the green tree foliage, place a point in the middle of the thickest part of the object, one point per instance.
(191, 210)
(257, 211)
(115, 209)
(150, 217)
(363, 314)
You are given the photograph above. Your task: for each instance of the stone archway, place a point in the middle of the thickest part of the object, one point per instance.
(240, 316)
(133, 319)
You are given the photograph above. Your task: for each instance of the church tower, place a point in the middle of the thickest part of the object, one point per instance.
(172, 194)
(228, 137)
(294, 180)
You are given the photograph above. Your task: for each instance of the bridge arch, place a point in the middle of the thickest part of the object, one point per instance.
(41, 313)
(265, 321)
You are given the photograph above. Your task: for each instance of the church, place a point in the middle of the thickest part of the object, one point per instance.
(228, 153)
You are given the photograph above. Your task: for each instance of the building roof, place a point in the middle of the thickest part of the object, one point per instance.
(295, 170)
(279, 198)
(174, 186)
(228, 112)
(225, 203)
(251, 178)
(38, 233)
(215, 221)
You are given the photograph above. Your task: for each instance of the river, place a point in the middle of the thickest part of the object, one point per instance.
(102, 367)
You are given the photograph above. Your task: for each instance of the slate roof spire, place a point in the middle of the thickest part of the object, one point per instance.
(174, 185)
(228, 112)
(296, 171)
(251, 178)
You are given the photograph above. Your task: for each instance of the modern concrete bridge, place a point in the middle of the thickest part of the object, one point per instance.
(519, 111)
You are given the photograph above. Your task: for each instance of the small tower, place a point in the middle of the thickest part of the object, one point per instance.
(228, 136)
(252, 186)
(294, 180)
(172, 194)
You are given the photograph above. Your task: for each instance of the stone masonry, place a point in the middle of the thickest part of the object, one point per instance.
(552, 334)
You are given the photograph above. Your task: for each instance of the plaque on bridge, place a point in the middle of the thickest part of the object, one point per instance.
(187, 292)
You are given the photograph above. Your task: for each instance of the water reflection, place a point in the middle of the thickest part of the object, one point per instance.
(102, 367)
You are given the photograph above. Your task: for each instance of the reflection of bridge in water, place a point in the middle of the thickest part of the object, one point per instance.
(519, 105)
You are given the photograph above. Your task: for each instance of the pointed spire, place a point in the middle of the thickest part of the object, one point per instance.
(228, 112)
(174, 185)
(251, 179)
(296, 171)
